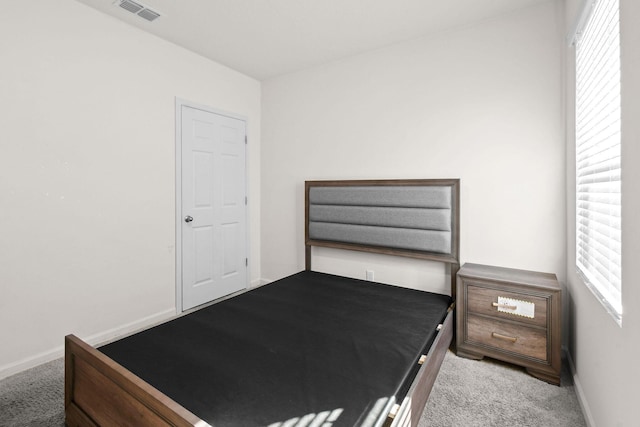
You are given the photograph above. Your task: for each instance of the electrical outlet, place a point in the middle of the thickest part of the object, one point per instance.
(370, 275)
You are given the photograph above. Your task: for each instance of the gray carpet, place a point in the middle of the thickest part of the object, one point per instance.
(473, 393)
(34, 397)
(467, 393)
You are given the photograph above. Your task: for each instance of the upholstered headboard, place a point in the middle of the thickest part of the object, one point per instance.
(416, 218)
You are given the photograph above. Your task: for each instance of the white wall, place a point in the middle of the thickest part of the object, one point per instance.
(605, 356)
(87, 170)
(482, 103)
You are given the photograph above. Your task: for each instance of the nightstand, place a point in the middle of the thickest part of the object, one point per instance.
(510, 315)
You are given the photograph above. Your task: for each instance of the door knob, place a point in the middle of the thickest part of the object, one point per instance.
(188, 218)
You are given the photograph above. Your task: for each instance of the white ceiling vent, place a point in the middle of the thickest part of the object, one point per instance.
(139, 9)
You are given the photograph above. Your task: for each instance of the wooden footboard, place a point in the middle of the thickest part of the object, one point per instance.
(409, 412)
(100, 392)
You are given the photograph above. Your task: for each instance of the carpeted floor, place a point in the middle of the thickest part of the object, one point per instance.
(467, 393)
(473, 393)
(34, 397)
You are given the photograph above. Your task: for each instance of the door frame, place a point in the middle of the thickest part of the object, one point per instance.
(179, 103)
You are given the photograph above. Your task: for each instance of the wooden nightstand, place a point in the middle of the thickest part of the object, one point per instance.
(510, 315)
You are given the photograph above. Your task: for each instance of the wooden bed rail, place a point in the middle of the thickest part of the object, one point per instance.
(100, 392)
(411, 408)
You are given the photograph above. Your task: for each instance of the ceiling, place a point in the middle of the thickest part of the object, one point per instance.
(266, 38)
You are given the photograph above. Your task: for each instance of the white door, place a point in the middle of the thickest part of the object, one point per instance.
(214, 206)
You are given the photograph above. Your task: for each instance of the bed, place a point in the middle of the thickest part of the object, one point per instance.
(310, 349)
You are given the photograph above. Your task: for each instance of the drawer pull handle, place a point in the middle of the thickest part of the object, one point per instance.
(503, 337)
(507, 306)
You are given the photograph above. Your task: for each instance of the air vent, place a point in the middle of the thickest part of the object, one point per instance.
(139, 9)
(148, 14)
(131, 6)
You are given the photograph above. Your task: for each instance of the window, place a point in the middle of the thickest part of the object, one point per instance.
(598, 140)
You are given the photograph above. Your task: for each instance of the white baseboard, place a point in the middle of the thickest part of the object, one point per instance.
(31, 362)
(96, 339)
(129, 328)
(260, 282)
(584, 405)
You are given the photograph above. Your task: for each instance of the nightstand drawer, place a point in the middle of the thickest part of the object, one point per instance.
(481, 300)
(514, 338)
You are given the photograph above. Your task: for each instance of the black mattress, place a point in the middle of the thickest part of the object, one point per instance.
(311, 346)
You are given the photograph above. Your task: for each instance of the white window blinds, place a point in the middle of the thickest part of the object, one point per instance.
(598, 178)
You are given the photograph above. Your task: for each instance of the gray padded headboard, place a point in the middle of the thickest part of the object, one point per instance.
(415, 218)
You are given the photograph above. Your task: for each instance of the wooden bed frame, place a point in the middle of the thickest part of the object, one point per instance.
(100, 392)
